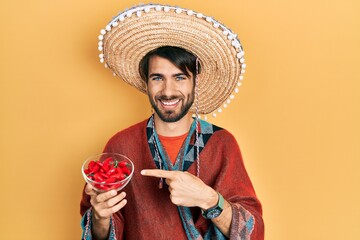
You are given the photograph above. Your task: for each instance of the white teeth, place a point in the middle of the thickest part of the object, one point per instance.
(170, 103)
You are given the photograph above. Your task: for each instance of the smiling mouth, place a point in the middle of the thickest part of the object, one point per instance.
(170, 103)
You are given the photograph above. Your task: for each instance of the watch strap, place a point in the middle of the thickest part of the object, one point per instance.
(221, 201)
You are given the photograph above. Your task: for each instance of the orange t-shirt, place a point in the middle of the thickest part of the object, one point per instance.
(172, 145)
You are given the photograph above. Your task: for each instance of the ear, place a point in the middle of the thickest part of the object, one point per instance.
(145, 86)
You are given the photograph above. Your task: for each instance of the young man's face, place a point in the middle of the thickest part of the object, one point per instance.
(170, 91)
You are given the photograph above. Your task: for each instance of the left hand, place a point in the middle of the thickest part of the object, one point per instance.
(185, 189)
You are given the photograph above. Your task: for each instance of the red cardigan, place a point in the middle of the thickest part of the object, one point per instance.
(149, 213)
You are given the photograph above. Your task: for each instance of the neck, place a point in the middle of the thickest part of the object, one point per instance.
(171, 129)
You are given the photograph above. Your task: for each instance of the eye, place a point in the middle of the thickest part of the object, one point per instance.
(156, 78)
(180, 78)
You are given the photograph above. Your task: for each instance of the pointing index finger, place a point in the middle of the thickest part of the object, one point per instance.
(157, 173)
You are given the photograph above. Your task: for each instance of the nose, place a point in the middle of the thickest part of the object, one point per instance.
(168, 88)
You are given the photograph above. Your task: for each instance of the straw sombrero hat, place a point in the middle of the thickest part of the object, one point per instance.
(136, 31)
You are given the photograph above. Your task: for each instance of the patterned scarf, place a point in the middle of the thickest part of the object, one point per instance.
(186, 157)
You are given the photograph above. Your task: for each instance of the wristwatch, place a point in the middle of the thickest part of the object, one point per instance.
(214, 211)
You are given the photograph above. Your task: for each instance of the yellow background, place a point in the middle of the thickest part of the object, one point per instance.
(296, 116)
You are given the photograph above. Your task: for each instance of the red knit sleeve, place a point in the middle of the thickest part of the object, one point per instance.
(235, 185)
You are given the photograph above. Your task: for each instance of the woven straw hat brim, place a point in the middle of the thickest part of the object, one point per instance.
(134, 35)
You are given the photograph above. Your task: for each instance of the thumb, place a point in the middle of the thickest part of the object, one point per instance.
(89, 190)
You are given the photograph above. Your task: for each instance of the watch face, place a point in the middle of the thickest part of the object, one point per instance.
(213, 213)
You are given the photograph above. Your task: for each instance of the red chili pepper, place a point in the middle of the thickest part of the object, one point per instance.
(91, 165)
(107, 160)
(119, 176)
(110, 180)
(118, 170)
(104, 175)
(95, 169)
(106, 166)
(98, 177)
(122, 164)
(111, 171)
(126, 170)
(101, 187)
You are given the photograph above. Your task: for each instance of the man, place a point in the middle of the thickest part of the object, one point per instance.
(189, 180)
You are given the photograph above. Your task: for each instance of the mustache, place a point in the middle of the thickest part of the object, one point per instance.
(163, 97)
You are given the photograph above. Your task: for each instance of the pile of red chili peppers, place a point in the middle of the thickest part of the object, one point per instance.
(107, 173)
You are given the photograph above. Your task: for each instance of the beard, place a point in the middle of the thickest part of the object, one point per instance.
(173, 115)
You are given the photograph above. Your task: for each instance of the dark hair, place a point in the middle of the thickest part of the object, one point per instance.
(181, 58)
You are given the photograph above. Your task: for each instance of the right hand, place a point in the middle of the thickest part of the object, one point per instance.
(106, 203)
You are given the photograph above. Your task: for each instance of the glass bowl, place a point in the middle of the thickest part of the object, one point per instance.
(108, 171)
